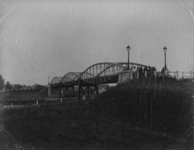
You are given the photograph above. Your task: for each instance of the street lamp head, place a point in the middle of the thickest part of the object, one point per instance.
(128, 48)
(165, 49)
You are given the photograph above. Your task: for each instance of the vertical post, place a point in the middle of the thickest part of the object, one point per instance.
(145, 73)
(79, 89)
(78, 96)
(128, 50)
(129, 77)
(128, 60)
(60, 91)
(97, 92)
(88, 92)
(78, 92)
(36, 102)
(165, 49)
(137, 74)
(165, 60)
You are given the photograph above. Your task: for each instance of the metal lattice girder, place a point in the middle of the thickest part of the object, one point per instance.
(70, 78)
(87, 92)
(104, 72)
(67, 91)
(99, 73)
(55, 82)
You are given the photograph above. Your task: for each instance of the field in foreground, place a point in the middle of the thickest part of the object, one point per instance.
(139, 116)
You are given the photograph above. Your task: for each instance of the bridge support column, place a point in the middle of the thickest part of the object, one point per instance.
(60, 91)
(68, 91)
(87, 91)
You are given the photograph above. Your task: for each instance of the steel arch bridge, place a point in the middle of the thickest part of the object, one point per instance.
(88, 80)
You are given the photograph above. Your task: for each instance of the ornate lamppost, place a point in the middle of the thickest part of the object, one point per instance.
(128, 50)
(165, 50)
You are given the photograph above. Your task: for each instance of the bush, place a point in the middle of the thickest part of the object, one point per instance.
(139, 115)
(162, 107)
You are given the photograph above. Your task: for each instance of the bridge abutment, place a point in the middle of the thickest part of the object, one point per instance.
(125, 75)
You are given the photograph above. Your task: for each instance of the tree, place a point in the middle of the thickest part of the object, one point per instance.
(8, 86)
(18, 86)
(1, 82)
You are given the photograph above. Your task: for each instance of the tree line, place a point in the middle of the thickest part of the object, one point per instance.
(8, 86)
(4, 85)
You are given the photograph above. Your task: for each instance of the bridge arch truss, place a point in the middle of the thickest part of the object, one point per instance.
(88, 80)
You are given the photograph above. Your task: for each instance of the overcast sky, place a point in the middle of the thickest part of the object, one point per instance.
(41, 38)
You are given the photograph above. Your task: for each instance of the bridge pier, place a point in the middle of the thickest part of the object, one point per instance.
(87, 91)
(67, 91)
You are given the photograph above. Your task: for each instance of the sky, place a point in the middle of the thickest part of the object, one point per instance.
(48, 38)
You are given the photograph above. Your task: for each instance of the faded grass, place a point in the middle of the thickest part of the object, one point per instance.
(139, 115)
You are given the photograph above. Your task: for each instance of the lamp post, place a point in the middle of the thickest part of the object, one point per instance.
(165, 50)
(128, 50)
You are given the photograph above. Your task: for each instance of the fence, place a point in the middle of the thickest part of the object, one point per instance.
(157, 74)
(181, 75)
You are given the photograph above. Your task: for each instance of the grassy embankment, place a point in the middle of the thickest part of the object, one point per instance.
(143, 115)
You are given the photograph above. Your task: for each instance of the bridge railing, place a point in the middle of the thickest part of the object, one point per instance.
(181, 75)
(158, 74)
